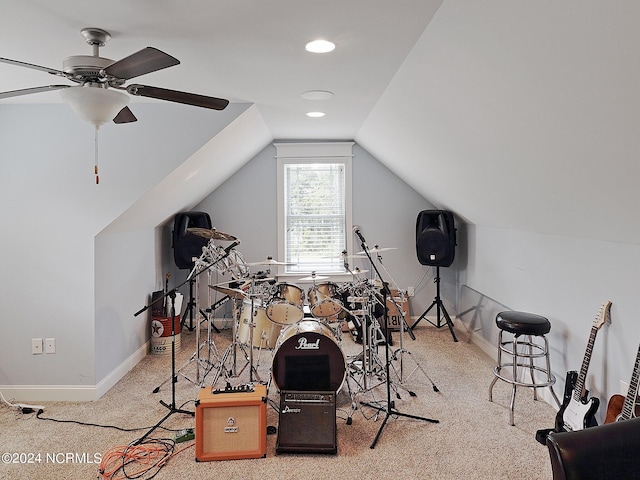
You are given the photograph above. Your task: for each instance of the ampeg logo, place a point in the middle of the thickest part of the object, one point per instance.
(286, 409)
(303, 344)
(231, 426)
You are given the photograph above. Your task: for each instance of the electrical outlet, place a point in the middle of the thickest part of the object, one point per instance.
(49, 345)
(36, 346)
(411, 291)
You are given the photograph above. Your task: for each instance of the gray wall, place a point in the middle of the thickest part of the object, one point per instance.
(565, 279)
(60, 278)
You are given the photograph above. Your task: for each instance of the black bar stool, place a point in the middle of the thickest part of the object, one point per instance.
(526, 342)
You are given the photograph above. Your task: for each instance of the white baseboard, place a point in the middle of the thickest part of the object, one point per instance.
(74, 393)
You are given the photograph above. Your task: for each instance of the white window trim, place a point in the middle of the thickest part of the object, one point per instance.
(338, 152)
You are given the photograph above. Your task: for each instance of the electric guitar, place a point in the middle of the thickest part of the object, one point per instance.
(621, 408)
(578, 410)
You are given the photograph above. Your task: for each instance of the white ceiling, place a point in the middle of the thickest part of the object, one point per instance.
(511, 113)
(246, 51)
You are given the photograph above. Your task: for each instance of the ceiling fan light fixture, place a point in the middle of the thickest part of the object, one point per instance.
(96, 105)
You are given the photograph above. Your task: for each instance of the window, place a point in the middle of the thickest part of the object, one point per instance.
(314, 206)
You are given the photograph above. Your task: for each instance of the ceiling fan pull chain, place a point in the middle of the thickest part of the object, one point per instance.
(95, 167)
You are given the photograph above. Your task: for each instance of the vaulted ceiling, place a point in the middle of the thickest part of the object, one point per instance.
(513, 114)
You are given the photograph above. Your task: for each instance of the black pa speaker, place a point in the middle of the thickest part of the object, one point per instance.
(435, 238)
(187, 245)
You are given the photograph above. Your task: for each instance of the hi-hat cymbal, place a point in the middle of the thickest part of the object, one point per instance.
(313, 276)
(269, 261)
(377, 249)
(231, 292)
(211, 233)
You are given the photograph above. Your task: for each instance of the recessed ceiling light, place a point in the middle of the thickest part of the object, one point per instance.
(315, 114)
(317, 95)
(320, 46)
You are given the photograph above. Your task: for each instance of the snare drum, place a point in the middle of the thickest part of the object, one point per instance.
(265, 332)
(286, 304)
(308, 357)
(324, 300)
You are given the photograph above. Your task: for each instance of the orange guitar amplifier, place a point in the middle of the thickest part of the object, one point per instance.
(231, 423)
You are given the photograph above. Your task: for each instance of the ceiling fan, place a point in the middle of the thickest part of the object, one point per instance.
(97, 74)
(98, 98)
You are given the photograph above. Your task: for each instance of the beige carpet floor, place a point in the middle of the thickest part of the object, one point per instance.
(472, 439)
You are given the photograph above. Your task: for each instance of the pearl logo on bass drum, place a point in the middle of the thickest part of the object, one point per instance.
(304, 344)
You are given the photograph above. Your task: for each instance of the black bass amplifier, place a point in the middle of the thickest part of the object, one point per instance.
(307, 422)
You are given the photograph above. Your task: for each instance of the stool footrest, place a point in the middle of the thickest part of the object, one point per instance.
(550, 381)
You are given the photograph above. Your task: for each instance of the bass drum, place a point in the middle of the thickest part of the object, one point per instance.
(307, 357)
(265, 332)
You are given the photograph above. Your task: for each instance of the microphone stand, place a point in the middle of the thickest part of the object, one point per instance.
(172, 294)
(390, 410)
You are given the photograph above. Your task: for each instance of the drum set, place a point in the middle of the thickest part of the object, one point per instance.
(301, 332)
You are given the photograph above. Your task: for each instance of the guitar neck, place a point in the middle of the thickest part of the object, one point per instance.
(579, 391)
(629, 402)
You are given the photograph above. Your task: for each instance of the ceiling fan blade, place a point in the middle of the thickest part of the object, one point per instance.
(178, 97)
(125, 116)
(29, 91)
(52, 71)
(145, 61)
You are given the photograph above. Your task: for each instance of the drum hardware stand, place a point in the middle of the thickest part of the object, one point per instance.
(231, 350)
(390, 409)
(403, 323)
(210, 344)
(437, 302)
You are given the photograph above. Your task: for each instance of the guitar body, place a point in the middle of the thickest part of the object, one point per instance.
(614, 408)
(623, 408)
(580, 414)
(569, 384)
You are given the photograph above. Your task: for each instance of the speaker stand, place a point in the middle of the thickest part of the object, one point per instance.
(437, 302)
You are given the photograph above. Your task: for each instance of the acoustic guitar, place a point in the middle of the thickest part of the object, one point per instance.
(578, 409)
(624, 408)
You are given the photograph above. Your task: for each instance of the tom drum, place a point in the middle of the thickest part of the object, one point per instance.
(286, 304)
(265, 332)
(324, 300)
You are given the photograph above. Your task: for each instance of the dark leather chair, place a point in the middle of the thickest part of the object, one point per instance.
(603, 452)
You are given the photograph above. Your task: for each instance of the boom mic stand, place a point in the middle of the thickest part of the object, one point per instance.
(390, 410)
(437, 302)
(172, 294)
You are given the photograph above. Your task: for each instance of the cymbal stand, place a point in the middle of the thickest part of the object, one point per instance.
(231, 351)
(390, 409)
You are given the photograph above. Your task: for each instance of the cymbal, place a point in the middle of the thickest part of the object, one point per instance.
(211, 233)
(377, 249)
(270, 261)
(313, 276)
(231, 292)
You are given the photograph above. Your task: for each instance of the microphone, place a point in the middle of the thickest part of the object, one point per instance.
(231, 247)
(356, 230)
